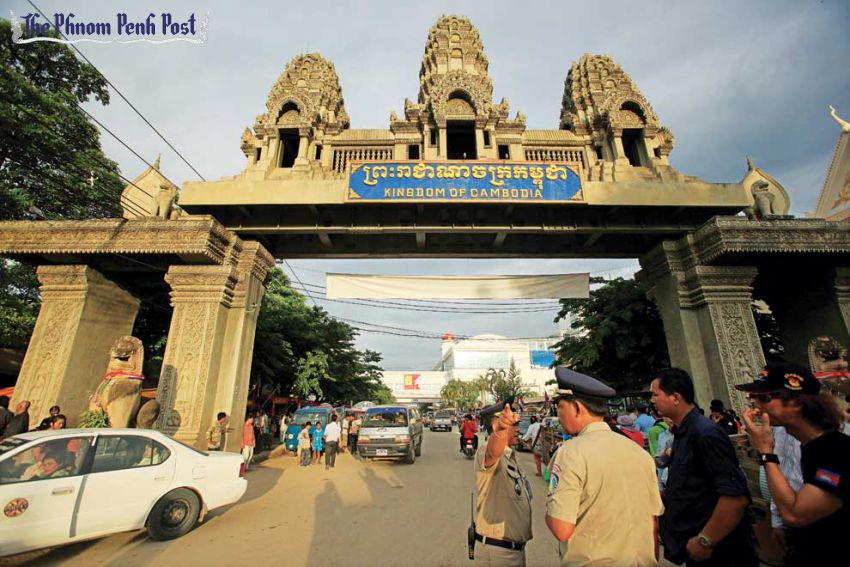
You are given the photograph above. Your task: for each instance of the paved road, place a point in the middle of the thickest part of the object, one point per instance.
(381, 513)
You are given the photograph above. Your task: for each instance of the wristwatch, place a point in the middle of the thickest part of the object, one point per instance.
(705, 541)
(765, 458)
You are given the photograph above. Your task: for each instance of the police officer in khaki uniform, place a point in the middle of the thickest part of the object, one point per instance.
(503, 522)
(603, 499)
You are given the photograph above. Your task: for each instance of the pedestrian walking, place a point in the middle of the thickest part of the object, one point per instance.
(216, 435)
(304, 452)
(503, 521)
(248, 441)
(719, 415)
(343, 441)
(317, 442)
(331, 436)
(659, 426)
(20, 422)
(603, 502)
(530, 439)
(353, 433)
(789, 395)
(706, 495)
(626, 423)
(57, 422)
(643, 421)
(45, 423)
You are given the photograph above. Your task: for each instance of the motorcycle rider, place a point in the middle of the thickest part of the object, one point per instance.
(468, 430)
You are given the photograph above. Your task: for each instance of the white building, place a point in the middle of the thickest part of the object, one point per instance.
(469, 358)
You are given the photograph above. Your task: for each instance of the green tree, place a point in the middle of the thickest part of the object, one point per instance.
(508, 384)
(311, 371)
(49, 149)
(622, 337)
(288, 329)
(49, 152)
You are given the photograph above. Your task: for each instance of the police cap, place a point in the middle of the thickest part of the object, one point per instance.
(495, 409)
(572, 383)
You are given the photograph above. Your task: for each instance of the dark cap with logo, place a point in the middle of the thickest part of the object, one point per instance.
(782, 376)
(495, 409)
(572, 383)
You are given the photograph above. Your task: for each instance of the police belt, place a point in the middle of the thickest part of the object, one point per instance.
(499, 542)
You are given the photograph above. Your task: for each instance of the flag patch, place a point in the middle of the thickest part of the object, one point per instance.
(828, 477)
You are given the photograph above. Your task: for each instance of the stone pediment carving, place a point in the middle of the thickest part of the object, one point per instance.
(768, 199)
(149, 195)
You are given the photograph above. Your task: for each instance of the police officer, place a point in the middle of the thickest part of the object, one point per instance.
(503, 522)
(603, 493)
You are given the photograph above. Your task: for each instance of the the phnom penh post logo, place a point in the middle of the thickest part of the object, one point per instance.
(70, 27)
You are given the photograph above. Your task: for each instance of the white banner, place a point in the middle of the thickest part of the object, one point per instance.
(357, 286)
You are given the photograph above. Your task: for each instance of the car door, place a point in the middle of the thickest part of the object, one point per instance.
(128, 475)
(38, 499)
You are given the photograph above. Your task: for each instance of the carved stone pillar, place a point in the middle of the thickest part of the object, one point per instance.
(231, 396)
(722, 298)
(708, 320)
(81, 315)
(842, 294)
(200, 296)
(480, 151)
(303, 144)
(442, 149)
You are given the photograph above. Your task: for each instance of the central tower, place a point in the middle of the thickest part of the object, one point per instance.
(455, 110)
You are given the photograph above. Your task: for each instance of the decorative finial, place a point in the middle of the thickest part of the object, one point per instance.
(845, 126)
(750, 165)
(156, 162)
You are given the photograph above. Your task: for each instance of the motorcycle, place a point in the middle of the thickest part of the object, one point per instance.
(469, 447)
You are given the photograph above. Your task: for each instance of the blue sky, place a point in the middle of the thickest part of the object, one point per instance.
(730, 79)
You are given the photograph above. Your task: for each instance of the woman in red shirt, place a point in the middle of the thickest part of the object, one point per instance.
(468, 430)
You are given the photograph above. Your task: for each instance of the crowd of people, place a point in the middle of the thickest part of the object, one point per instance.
(317, 443)
(669, 476)
(13, 423)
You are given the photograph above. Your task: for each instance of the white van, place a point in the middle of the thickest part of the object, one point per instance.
(391, 432)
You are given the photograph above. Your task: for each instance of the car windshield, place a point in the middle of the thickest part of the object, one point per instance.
(385, 418)
(443, 414)
(312, 417)
(11, 443)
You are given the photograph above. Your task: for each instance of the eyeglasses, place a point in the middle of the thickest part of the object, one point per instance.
(763, 398)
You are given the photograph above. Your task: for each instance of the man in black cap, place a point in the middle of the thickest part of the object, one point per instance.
(819, 513)
(706, 495)
(503, 522)
(603, 491)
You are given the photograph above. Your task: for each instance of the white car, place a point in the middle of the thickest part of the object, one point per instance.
(58, 487)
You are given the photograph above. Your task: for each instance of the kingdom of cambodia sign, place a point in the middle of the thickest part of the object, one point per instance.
(524, 182)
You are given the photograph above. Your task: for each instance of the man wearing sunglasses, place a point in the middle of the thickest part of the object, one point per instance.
(818, 514)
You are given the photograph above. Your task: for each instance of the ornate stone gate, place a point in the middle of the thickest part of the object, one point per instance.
(454, 176)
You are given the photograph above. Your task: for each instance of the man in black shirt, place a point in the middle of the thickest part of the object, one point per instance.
(706, 494)
(818, 514)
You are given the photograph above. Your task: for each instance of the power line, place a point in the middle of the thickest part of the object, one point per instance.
(299, 281)
(101, 159)
(119, 93)
(63, 185)
(123, 143)
(405, 307)
(441, 302)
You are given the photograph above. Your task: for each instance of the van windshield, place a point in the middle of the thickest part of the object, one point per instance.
(386, 417)
(312, 417)
(443, 414)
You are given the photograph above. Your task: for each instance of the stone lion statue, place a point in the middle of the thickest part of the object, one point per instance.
(119, 394)
(762, 207)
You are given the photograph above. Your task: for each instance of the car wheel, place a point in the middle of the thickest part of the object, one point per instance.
(411, 455)
(174, 515)
(418, 451)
